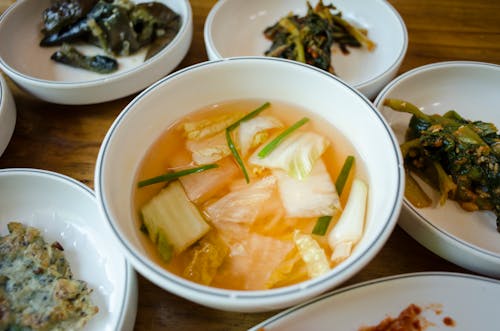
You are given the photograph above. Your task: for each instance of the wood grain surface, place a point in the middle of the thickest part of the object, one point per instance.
(66, 139)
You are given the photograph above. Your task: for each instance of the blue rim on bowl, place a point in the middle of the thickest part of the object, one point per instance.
(369, 86)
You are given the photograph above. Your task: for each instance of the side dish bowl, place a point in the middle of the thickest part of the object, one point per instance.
(65, 210)
(468, 239)
(142, 122)
(7, 115)
(235, 28)
(439, 295)
(30, 66)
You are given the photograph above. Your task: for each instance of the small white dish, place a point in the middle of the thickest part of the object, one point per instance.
(30, 66)
(66, 211)
(141, 123)
(7, 115)
(467, 239)
(235, 28)
(469, 302)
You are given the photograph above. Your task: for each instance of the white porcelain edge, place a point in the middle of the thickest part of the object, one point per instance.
(7, 115)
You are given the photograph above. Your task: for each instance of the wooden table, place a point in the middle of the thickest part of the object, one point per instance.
(66, 139)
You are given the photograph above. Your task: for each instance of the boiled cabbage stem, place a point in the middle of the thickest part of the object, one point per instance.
(296, 155)
(349, 228)
(230, 143)
(276, 141)
(312, 254)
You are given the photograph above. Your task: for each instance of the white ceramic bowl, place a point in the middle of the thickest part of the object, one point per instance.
(155, 109)
(65, 210)
(30, 66)
(234, 28)
(7, 115)
(471, 88)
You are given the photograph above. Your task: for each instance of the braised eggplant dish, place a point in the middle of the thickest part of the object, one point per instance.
(310, 38)
(118, 27)
(458, 157)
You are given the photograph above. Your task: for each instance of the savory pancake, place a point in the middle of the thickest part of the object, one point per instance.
(37, 289)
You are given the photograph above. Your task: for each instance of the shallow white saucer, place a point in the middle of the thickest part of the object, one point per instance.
(467, 239)
(66, 211)
(466, 301)
(235, 28)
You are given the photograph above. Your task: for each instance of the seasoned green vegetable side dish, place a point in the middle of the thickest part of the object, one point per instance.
(119, 27)
(310, 38)
(37, 289)
(458, 157)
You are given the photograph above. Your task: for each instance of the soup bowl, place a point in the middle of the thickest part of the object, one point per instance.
(144, 120)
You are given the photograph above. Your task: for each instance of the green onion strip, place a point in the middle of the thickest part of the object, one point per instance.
(237, 157)
(271, 146)
(230, 142)
(321, 225)
(344, 174)
(174, 175)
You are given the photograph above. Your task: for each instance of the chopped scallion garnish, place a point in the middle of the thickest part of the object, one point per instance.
(237, 157)
(230, 143)
(321, 225)
(174, 175)
(248, 116)
(344, 174)
(271, 146)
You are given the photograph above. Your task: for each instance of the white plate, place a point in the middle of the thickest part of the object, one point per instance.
(66, 211)
(470, 301)
(364, 70)
(472, 89)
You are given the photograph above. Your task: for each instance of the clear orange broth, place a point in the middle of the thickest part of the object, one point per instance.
(157, 161)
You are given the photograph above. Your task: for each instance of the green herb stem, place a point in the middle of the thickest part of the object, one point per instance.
(272, 145)
(248, 116)
(344, 174)
(230, 142)
(174, 175)
(236, 155)
(321, 225)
